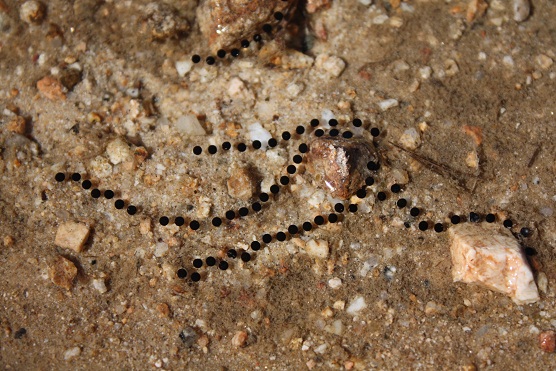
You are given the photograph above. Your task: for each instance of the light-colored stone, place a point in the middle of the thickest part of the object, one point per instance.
(190, 125)
(62, 272)
(72, 353)
(183, 67)
(330, 63)
(522, 9)
(490, 256)
(118, 151)
(410, 139)
(386, 104)
(544, 61)
(317, 248)
(100, 285)
(51, 88)
(72, 235)
(356, 305)
(239, 339)
(335, 283)
(32, 12)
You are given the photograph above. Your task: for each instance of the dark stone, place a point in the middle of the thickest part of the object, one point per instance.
(188, 336)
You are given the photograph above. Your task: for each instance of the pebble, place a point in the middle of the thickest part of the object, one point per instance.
(330, 63)
(522, 9)
(432, 308)
(225, 24)
(451, 67)
(160, 249)
(32, 12)
(335, 283)
(547, 341)
(410, 139)
(489, 255)
(508, 61)
(380, 19)
(544, 61)
(62, 272)
(387, 104)
(118, 151)
(317, 248)
(425, 72)
(356, 305)
(72, 353)
(101, 167)
(542, 282)
(241, 183)
(294, 89)
(240, 339)
(16, 125)
(51, 88)
(257, 132)
(190, 125)
(292, 59)
(339, 305)
(72, 235)
(546, 211)
(339, 165)
(183, 67)
(188, 336)
(100, 285)
(165, 21)
(336, 328)
(475, 9)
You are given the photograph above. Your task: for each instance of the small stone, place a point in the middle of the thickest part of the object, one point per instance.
(72, 235)
(339, 305)
(294, 89)
(72, 353)
(51, 88)
(386, 104)
(356, 305)
(522, 9)
(410, 139)
(183, 67)
(475, 9)
(165, 21)
(317, 248)
(163, 310)
(330, 63)
(425, 72)
(327, 312)
(508, 61)
(118, 151)
(101, 167)
(336, 328)
(32, 12)
(292, 59)
(334, 283)
(312, 6)
(431, 308)
(490, 256)
(544, 61)
(100, 285)
(542, 282)
(225, 24)
(8, 241)
(339, 165)
(16, 125)
(190, 125)
(451, 67)
(188, 336)
(547, 341)
(160, 249)
(62, 272)
(239, 340)
(242, 183)
(472, 160)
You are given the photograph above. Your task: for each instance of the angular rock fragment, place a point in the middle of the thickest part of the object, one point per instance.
(242, 183)
(72, 235)
(62, 272)
(225, 23)
(339, 165)
(491, 257)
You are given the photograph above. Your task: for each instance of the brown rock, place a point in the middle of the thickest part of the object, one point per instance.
(17, 125)
(339, 165)
(63, 272)
(226, 22)
(163, 310)
(242, 183)
(313, 6)
(51, 88)
(547, 341)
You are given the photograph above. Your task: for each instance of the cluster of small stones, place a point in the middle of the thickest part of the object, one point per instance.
(263, 198)
(245, 43)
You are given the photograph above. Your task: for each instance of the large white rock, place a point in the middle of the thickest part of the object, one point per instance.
(490, 256)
